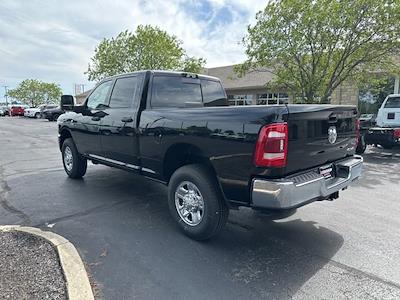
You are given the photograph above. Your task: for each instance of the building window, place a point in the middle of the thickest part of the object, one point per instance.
(272, 99)
(240, 100)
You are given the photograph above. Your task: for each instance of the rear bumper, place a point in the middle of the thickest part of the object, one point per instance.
(381, 136)
(298, 190)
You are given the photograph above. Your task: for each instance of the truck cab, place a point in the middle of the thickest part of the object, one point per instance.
(387, 130)
(389, 113)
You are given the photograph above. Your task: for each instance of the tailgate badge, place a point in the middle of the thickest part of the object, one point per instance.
(332, 134)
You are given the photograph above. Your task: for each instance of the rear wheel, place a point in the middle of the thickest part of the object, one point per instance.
(74, 164)
(37, 115)
(196, 203)
(55, 117)
(362, 145)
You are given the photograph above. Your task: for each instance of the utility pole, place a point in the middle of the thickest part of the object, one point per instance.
(5, 93)
(396, 85)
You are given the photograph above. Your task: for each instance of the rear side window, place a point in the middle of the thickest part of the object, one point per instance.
(393, 102)
(213, 93)
(124, 92)
(173, 91)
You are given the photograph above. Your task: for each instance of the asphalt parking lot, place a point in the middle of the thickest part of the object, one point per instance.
(119, 222)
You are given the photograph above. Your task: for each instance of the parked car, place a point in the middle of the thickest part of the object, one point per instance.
(37, 111)
(367, 120)
(387, 130)
(17, 110)
(52, 114)
(162, 125)
(3, 111)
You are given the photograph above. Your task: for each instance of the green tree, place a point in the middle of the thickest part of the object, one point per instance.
(35, 92)
(312, 46)
(147, 48)
(374, 92)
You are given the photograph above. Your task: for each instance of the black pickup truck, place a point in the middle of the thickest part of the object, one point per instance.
(178, 129)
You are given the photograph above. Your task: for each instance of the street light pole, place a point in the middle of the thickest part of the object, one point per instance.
(5, 93)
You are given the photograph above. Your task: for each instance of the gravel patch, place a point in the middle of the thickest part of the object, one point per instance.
(29, 268)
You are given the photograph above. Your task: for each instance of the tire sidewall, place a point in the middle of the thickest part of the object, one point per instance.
(67, 143)
(212, 210)
(362, 145)
(78, 170)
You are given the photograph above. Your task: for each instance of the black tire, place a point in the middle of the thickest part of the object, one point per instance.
(55, 117)
(362, 145)
(215, 211)
(79, 163)
(37, 115)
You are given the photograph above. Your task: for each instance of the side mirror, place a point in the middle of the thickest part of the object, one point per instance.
(67, 102)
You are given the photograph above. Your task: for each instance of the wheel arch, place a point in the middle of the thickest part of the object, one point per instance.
(65, 133)
(181, 154)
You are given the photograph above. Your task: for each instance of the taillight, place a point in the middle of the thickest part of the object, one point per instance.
(396, 133)
(272, 146)
(357, 131)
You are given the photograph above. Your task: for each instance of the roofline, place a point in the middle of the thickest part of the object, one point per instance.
(201, 76)
(226, 66)
(253, 87)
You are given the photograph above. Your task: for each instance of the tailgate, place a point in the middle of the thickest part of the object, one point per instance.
(319, 134)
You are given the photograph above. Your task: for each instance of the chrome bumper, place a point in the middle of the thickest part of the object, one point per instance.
(298, 190)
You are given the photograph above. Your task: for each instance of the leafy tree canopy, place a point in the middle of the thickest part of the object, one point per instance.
(373, 92)
(312, 46)
(35, 92)
(147, 48)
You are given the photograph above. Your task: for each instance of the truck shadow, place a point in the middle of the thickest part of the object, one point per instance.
(254, 256)
(127, 217)
(380, 166)
(275, 259)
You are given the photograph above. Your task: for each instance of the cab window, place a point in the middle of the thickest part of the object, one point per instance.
(124, 92)
(213, 93)
(99, 96)
(174, 91)
(393, 102)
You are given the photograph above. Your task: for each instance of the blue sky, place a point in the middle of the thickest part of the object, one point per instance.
(53, 40)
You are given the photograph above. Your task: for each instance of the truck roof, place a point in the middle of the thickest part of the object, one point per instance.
(158, 72)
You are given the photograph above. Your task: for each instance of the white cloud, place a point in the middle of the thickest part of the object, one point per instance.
(54, 40)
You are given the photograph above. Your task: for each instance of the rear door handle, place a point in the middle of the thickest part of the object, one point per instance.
(127, 120)
(96, 119)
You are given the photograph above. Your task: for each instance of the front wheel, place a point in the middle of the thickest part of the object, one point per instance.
(196, 202)
(74, 164)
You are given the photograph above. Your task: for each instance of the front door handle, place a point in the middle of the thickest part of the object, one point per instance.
(127, 120)
(96, 119)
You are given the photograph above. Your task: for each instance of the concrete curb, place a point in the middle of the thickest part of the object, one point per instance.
(77, 281)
